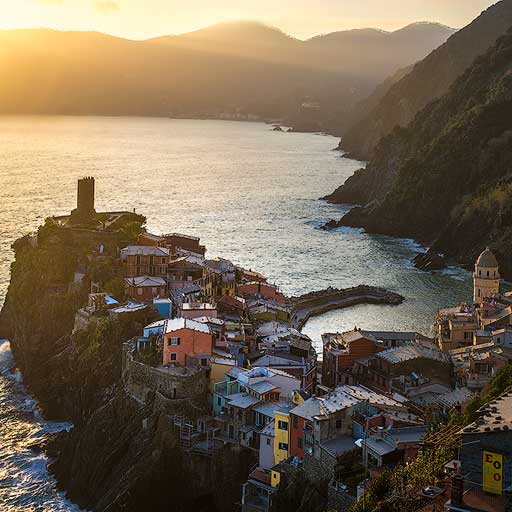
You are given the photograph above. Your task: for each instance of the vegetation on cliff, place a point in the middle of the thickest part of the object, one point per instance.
(446, 177)
(429, 79)
(68, 372)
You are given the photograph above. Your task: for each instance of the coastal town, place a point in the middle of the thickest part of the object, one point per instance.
(221, 349)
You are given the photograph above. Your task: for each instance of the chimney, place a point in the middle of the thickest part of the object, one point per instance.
(457, 490)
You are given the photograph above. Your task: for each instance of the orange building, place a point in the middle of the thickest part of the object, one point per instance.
(340, 353)
(185, 339)
(146, 260)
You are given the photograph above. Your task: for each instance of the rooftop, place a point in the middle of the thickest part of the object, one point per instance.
(496, 416)
(146, 281)
(339, 445)
(487, 259)
(406, 353)
(144, 250)
(242, 400)
(185, 323)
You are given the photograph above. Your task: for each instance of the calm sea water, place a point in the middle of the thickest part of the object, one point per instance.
(251, 194)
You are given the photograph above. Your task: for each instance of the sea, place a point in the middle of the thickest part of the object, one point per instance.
(253, 196)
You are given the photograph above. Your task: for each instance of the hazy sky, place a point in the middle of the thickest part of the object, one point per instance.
(138, 19)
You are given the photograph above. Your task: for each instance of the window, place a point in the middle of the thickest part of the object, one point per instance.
(204, 362)
(164, 261)
(174, 356)
(295, 422)
(283, 446)
(299, 442)
(219, 401)
(163, 269)
(154, 290)
(137, 259)
(139, 291)
(174, 341)
(268, 441)
(487, 273)
(338, 423)
(282, 425)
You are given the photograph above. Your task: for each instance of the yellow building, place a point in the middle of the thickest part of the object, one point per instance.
(275, 478)
(219, 366)
(281, 436)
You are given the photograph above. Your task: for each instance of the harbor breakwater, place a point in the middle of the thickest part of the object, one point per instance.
(319, 302)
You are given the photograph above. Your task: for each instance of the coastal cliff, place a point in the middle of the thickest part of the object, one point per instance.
(445, 179)
(123, 453)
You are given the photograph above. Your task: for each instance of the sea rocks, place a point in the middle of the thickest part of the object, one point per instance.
(430, 261)
(332, 224)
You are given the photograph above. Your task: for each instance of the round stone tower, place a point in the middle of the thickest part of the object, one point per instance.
(486, 278)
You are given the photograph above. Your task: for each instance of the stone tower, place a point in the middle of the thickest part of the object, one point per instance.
(84, 211)
(486, 278)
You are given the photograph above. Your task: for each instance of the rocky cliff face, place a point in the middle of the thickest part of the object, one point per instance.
(428, 80)
(446, 178)
(128, 457)
(123, 453)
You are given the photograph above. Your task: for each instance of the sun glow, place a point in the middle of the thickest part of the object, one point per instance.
(140, 19)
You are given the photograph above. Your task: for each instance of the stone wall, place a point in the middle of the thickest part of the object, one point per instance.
(186, 385)
(319, 470)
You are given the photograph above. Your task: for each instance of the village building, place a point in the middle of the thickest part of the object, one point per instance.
(194, 310)
(145, 288)
(248, 399)
(298, 366)
(185, 271)
(185, 244)
(388, 447)
(186, 341)
(262, 289)
(340, 351)
(392, 339)
(485, 471)
(219, 278)
(455, 327)
(323, 427)
(403, 369)
(147, 260)
(146, 238)
(475, 366)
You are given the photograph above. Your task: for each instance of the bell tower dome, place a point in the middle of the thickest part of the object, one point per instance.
(486, 277)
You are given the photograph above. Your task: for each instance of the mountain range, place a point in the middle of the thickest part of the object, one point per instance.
(402, 97)
(244, 66)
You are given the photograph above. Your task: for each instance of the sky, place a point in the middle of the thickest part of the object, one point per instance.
(140, 19)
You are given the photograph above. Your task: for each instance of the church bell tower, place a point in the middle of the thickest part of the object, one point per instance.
(486, 277)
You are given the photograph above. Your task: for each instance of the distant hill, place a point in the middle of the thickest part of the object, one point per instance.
(242, 66)
(447, 178)
(373, 53)
(428, 80)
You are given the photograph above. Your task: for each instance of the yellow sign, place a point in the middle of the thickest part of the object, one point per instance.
(492, 472)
